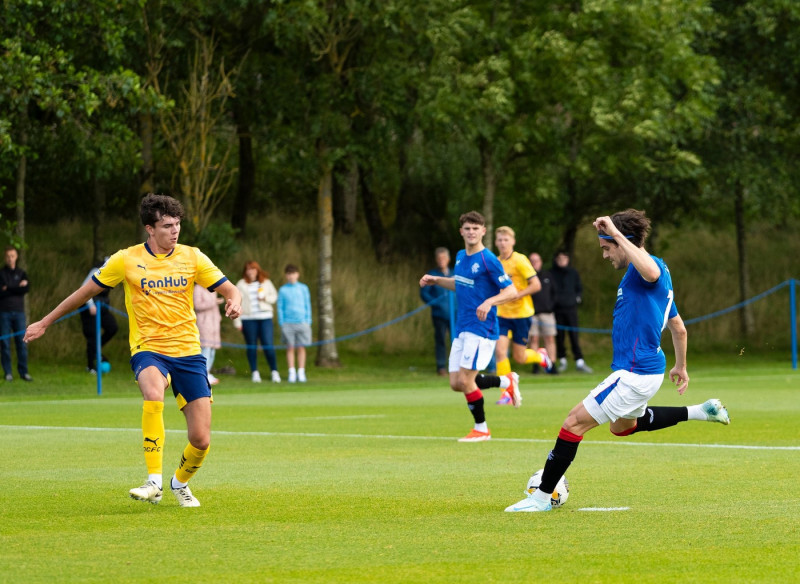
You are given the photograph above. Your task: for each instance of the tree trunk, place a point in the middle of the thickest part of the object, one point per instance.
(746, 323)
(490, 189)
(98, 219)
(148, 169)
(22, 170)
(350, 196)
(148, 166)
(572, 216)
(372, 215)
(247, 176)
(327, 355)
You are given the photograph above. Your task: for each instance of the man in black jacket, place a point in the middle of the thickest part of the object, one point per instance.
(568, 296)
(13, 287)
(543, 322)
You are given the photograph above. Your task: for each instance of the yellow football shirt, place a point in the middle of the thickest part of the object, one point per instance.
(520, 270)
(159, 295)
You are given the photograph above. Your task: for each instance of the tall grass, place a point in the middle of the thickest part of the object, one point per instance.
(367, 293)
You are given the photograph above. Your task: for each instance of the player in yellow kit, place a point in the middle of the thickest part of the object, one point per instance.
(514, 317)
(158, 277)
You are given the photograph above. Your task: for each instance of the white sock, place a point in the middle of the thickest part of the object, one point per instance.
(176, 484)
(156, 478)
(579, 362)
(504, 382)
(482, 427)
(541, 495)
(697, 413)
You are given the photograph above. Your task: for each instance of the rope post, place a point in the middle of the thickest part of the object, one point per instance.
(793, 319)
(98, 355)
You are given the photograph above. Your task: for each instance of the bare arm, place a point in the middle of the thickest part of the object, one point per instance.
(534, 285)
(429, 280)
(638, 256)
(508, 293)
(233, 299)
(678, 374)
(78, 298)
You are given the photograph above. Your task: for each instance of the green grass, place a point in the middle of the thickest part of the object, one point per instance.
(357, 477)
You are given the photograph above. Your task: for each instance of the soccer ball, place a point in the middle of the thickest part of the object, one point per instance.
(559, 496)
(105, 366)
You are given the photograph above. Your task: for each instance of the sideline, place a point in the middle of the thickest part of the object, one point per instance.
(400, 437)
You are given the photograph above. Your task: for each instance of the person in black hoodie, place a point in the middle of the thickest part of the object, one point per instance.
(543, 322)
(13, 287)
(568, 287)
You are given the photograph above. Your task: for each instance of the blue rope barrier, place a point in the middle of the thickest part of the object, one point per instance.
(419, 309)
(737, 306)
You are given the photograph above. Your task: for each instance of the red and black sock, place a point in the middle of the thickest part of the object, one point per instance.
(475, 404)
(559, 459)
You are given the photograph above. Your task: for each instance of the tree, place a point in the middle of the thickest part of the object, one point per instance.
(62, 77)
(617, 91)
(751, 150)
(194, 130)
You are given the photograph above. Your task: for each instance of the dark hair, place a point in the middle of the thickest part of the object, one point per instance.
(261, 276)
(154, 207)
(471, 217)
(633, 224)
(291, 269)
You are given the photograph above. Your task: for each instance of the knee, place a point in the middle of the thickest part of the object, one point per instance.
(200, 441)
(457, 384)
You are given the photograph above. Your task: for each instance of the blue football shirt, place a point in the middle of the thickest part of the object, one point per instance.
(640, 315)
(478, 276)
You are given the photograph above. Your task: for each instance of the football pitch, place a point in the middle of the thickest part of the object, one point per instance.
(365, 482)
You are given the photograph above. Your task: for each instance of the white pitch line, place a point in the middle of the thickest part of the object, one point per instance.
(340, 417)
(604, 509)
(400, 437)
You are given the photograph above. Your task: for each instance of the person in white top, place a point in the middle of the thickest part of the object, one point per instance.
(258, 297)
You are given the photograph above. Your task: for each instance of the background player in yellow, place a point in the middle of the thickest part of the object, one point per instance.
(514, 316)
(158, 277)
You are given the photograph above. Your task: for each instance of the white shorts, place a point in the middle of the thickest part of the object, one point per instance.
(622, 395)
(469, 351)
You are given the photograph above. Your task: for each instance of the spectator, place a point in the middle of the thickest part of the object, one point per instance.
(209, 320)
(108, 324)
(13, 287)
(568, 296)
(258, 296)
(543, 324)
(294, 316)
(442, 303)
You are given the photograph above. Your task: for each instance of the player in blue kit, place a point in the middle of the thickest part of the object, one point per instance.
(644, 307)
(480, 284)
